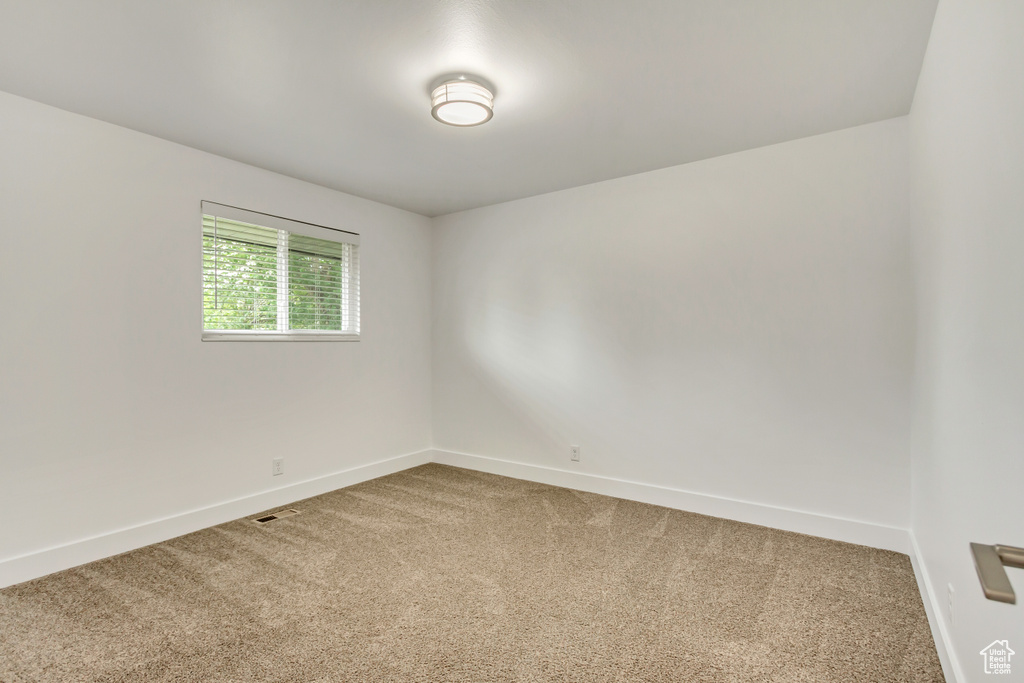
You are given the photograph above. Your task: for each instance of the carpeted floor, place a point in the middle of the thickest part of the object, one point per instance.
(444, 574)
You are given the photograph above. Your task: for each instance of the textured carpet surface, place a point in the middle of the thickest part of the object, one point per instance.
(444, 574)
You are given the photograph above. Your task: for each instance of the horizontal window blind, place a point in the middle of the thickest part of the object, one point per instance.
(267, 277)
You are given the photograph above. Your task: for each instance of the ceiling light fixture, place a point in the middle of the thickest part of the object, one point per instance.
(462, 102)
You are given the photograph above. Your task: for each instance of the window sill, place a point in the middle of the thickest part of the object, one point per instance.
(248, 336)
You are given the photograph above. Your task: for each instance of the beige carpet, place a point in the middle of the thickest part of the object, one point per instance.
(444, 574)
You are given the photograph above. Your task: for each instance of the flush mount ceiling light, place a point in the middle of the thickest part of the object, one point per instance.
(459, 101)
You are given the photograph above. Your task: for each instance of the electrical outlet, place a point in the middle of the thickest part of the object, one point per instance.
(951, 601)
(575, 453)
(277, 466)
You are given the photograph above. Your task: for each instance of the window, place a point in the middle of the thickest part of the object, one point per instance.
(271, 278)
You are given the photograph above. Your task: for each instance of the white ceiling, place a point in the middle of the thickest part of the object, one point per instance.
(336, 91)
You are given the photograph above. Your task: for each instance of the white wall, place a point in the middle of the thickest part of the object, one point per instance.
(739, 327)
(112, 412)
(967, 165)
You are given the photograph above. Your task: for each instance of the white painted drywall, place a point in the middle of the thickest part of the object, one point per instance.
(336, 92)
(967, 165)
(112, 411)
(738, 327)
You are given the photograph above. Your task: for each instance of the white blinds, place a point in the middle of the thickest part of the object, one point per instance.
(269, 277)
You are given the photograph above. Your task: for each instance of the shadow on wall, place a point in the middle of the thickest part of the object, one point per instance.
(672, 358)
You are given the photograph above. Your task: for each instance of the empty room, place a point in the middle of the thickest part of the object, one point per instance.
(495, 340)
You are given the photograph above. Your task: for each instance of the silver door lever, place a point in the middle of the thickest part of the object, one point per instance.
(989, 561)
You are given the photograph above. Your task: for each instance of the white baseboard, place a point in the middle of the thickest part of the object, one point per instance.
(940, 632)
(836, 528)
(850, 531)
(49, 560)
(43, 562)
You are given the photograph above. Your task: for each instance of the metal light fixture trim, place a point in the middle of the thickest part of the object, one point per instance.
(462, 102)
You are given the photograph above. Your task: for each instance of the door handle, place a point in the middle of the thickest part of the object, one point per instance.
(989, 560)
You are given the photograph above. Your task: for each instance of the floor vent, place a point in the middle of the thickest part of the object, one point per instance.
(276, 515)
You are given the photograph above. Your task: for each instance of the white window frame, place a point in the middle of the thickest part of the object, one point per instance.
(350, 283)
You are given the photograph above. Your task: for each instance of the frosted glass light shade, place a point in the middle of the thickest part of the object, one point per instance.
(462, 103)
